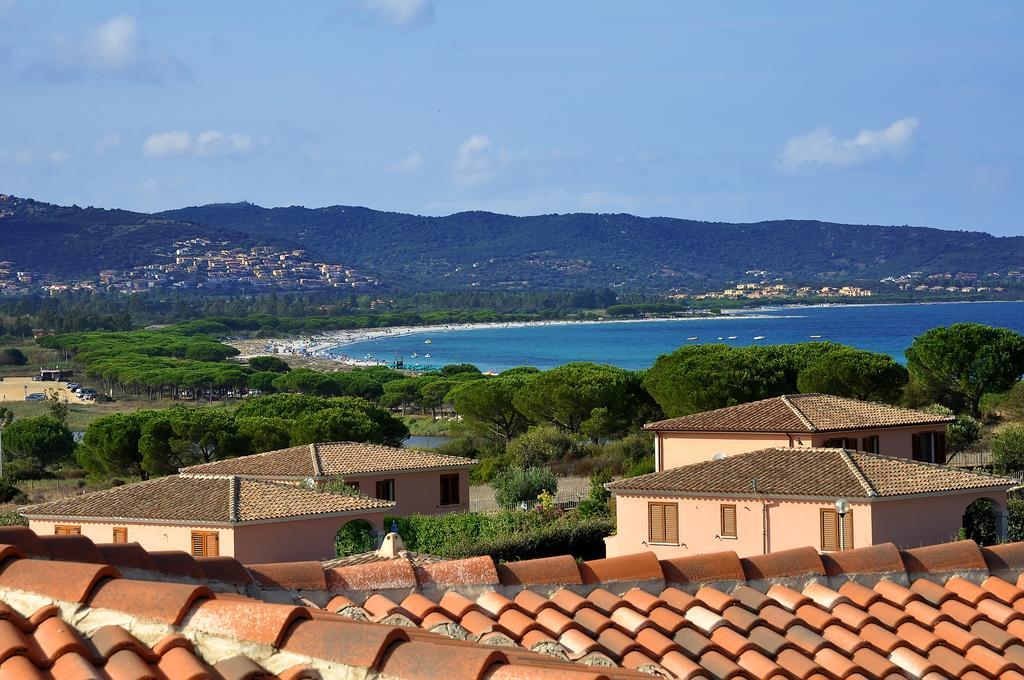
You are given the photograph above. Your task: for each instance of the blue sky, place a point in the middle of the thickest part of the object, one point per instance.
(880, 112)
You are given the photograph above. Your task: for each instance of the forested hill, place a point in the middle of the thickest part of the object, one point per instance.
(501, 251)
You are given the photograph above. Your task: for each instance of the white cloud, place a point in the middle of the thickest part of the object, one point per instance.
(403, 14)
(172, 143)
(104, 144)
(478, 161)
(209, 143)
(820, 148)
(410, 164)
(116, 48)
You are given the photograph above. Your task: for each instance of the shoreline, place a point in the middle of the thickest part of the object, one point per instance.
(325, 345)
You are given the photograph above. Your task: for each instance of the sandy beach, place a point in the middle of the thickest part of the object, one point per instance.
(319, 346)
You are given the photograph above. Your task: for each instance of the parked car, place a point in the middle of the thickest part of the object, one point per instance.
(37, 378)
(36, 396)
(73, 386)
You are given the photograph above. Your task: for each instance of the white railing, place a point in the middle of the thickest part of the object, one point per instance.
(566, 501)
(970, 459)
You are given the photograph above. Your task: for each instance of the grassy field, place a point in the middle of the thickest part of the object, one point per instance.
(425, 426)
(37, 356)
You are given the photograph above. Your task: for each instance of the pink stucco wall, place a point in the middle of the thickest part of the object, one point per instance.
(289, 541)
(303, 539)
(683, 448)
(908, 522)
(892, 441)
(417, 492)
(926, 521)
(149, 536)
(791, 524)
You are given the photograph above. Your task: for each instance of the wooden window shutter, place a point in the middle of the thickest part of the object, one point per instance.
(120, 534)
(940, 448)
(672, 523)
(848, 530)
(212, 544)
(197, 544)
(728, 521)
(829, 530)
(656, 522)
(67, 530)
(915, 447)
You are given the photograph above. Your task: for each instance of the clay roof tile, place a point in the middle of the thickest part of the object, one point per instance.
(636, 567)
(449, 573)
(127, 556)
(264, 623)
(883, 558)
(290, 575)
(707, 568)
(69, 581)
(380, 575)
(71, 548)
(958, 557)
(561, 570)
(784, 563)
(167, 602)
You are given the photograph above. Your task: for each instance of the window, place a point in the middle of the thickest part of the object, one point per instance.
(841, 443)
(120, 534)
(67, 530)
(869, 444)
(728, 521)
(205, 544)
(830, 530)
(449, 490)
(929, 447)
(663, 523)
(386, 489)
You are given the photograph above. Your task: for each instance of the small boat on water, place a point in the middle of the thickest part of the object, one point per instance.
(694, 338)
(426, 356)
(720, 337)
(731, 337)
(758, 337)
(414, 354)
(427, 341)
(815, 336)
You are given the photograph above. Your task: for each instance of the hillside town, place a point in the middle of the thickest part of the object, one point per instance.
(203, 265)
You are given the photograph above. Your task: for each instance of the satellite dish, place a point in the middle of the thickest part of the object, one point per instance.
(719, 456)
(310, 483)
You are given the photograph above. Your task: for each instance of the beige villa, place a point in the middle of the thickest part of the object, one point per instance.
(249, 520)
(267, 507)
(417, 481)
(800, 421)
(782, 498)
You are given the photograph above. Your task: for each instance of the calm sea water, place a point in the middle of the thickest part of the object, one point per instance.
(881, 328)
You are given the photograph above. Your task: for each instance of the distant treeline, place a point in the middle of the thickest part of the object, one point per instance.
(293, 312)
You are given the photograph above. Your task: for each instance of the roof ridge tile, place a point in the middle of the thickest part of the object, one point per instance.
(798, 413)
(869, 488)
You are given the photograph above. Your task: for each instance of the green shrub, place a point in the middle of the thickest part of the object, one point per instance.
(12, 519)
(640, 467)
(505, 535)
(596, 504)
(268, 364)
(10, 493)
(354, 538)
(12, 356)
(1008, 448)
(963, 433)
(488, 468)
(515, 485)
(541, 445)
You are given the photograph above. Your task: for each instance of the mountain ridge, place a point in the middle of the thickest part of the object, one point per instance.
(491, 250)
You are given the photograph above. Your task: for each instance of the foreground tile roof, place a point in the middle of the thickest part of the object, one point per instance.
(945, 611)
(328, 460)
(203, 499)
(798, 413)
(812, 472)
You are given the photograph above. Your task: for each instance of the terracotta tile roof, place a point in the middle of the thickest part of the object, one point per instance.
(798, 413)
(811, 472)
(69, 607)
(224, 500)
(329, 460)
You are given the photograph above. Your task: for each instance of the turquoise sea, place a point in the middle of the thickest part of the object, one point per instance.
(881, 328)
